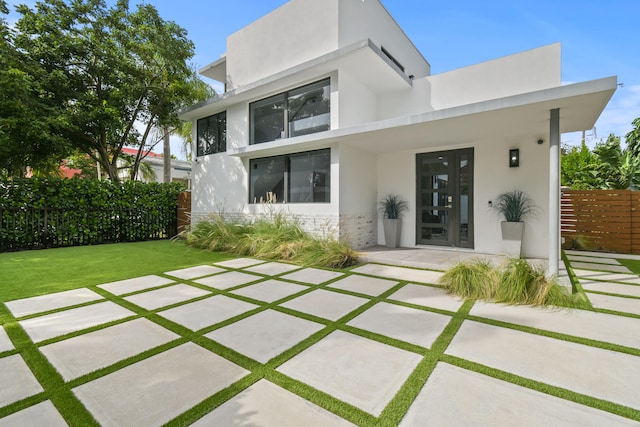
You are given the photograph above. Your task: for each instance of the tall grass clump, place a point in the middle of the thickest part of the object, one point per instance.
(274, 237)
(516, 282)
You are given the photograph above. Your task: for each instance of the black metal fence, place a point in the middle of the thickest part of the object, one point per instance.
(26, 228)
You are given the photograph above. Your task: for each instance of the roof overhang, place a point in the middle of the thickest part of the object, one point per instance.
(363, 60)
(217, 70)
(523, 115)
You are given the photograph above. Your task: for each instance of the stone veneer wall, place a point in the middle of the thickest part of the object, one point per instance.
(359, 230)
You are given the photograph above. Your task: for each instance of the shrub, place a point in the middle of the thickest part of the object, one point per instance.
(275, 237)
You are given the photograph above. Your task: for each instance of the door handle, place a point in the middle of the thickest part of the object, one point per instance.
(448, 206)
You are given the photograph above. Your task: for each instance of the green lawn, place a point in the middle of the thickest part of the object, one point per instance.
(631, 264)
(31, 273)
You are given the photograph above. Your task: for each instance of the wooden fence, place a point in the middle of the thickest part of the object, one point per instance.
(184, 211)
(601, 220)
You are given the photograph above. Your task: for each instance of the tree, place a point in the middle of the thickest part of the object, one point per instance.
(633, 138)
(112, 75)
(619, 168)
(579, 168)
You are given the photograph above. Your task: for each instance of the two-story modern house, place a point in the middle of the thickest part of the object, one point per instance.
(328, 106)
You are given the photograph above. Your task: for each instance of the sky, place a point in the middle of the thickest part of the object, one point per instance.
(599, 38)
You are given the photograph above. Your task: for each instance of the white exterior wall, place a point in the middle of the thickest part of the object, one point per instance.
(296, 32)
(357, 104)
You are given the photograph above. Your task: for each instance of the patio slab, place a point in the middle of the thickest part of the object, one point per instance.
(427, 296)
(166, 296)
(155, 390)
(600, 267)
(364, 285)
(265, 404)
(5, 341)
(193, 272)
(42, 414)
(270, 290)
(207, 312)
(607, 277)
(593, 259)
(455, 396)
(603, 374)
(273, 268)
(621, 304)
(374, 375)
(611, 288)
(400, 273)
(578, 323)
(40, 304)
(136, 284)
(402, 323)
(72, 320)
(86, 353)
(228, 280)
(326, 304)
(315, 276)
(240, 262)
(17, 380)
(265, 335)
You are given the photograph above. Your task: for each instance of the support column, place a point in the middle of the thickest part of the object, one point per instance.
(554, 192)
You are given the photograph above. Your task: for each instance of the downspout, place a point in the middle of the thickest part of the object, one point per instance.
(554, 193)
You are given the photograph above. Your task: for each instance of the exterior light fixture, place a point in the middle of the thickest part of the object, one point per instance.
(514, 158)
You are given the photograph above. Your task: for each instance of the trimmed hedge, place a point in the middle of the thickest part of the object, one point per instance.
(38, 213)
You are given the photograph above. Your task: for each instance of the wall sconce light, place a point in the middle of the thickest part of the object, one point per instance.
(514, 158)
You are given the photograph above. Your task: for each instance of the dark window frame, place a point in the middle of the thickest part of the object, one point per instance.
(220, 145)
(286, 177)
(285, 96)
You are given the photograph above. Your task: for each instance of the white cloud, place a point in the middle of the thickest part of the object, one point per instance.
(623, 108)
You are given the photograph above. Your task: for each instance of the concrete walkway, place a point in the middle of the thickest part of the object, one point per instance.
(246, 342)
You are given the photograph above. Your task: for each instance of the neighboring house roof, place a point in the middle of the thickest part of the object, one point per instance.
(134, 151)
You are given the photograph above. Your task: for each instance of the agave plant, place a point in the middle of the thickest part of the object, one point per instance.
(393, 206)
(514, 205)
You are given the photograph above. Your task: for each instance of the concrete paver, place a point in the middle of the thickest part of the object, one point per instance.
(314, 276)
(402, 323)
(612, 288)
(228, 280)
(400, 273)
(596, 372)
(5, 342)
(265, 335)
(41, 414)
(621, 304)
(579, 323)
(267, 405)
(207, 312)
(601, 267)
(193, 272)
(592, 259)
(374, 375)
(72, 320)
(455, 396)
(609, 277)
(270, 290)
(173, 294)
(427, 296)
(240, 262)
(326, 304)
(273, 268)
(17, 380)
(157, 389)
(364, 285)
(86, 353)
(40, 304)
(136, 284)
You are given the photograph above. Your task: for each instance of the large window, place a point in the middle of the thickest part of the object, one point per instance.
(297, 112)
(212, 134)
(294, 178)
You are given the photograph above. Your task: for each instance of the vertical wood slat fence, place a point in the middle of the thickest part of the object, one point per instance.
(184, 211)
(601, 220)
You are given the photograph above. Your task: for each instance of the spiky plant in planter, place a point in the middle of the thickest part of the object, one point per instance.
(514, 206)
(392, 207)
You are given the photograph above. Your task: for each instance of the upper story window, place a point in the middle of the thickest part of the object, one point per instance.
(212, 134)
(296, 112)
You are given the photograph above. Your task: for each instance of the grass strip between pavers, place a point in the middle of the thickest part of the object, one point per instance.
(60, 393)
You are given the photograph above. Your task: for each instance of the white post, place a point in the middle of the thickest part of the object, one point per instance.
(554, 193)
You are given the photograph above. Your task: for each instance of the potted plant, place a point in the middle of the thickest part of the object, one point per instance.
(514, 206)
(392, 207)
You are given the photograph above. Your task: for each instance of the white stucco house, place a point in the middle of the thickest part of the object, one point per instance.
(327, 114)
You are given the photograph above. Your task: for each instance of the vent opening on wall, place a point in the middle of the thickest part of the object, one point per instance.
(394, 60)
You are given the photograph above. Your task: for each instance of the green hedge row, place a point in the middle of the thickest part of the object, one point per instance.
(38, 213)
